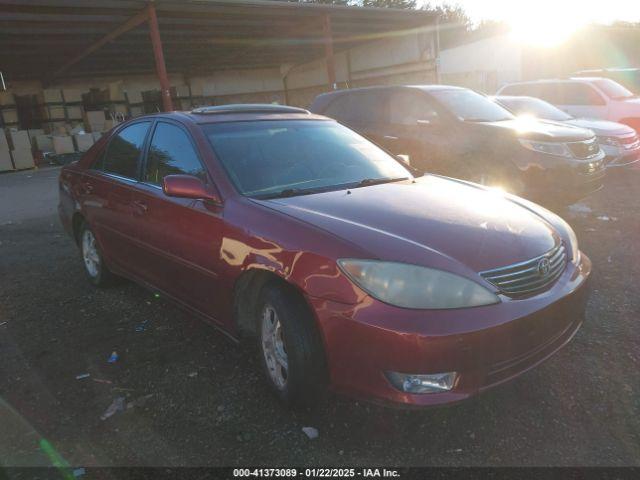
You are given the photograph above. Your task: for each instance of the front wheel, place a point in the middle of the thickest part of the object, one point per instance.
(291, 350)
(94, 267)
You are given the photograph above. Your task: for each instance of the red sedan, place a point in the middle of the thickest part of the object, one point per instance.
(352, 274)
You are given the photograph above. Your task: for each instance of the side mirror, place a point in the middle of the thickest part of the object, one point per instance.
(188, 186)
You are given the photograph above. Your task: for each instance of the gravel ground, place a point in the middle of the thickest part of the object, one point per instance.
(195, 399)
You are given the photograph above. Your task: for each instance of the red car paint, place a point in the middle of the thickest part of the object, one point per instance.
(195, 251)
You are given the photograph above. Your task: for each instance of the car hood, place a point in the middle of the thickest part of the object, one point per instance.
(432, 221)
(601, 127)
(533, 129)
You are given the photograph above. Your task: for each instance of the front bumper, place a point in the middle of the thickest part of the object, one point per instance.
(619, 156)
(557, 180)
(486, 346)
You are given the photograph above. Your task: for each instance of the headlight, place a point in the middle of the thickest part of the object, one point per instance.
(550, 148)
(611, 141)
(411, 286)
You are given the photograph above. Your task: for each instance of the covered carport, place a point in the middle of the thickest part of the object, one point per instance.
(51, 40)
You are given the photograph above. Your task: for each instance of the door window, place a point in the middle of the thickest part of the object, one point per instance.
(171, 153)
(357, 108)
(550, 92)
(123, 153)
(407, 108)
(580, 94)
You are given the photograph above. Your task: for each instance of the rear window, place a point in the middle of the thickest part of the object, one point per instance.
(519, 89)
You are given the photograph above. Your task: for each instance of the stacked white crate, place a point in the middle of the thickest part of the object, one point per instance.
(5, 155)
(21, 149)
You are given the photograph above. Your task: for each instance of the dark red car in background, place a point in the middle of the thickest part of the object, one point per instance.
(352, 273)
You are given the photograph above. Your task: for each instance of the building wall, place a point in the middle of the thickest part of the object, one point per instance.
(484, 65)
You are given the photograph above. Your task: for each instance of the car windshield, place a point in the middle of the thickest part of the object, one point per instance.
(613, 89)
(534, 107)
(471, 106)
(286, 158)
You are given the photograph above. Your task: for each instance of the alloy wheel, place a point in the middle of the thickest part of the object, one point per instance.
(90, 253)
(273, 347)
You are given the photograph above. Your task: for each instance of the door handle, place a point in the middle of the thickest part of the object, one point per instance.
(390, 137)
(140, 207)
(86, 188)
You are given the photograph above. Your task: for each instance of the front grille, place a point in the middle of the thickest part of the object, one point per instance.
(585, 149)
(529, 277)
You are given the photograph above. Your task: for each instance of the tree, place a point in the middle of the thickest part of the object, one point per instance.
(406, 4)
(455, 24)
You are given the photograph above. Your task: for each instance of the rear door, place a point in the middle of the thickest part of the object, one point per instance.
(181, 237)
(107, 192)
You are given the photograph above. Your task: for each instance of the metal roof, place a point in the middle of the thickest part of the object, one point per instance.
(198, 36)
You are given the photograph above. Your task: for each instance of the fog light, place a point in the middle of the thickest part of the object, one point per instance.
(433, 383)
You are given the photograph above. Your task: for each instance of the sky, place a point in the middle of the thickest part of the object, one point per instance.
(581, 11)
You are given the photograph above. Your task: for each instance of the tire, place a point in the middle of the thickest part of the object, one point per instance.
(92, 260)
(290, 348)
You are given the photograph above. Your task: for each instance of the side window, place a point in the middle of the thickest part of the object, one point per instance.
(517, 89)
(171, 152)
(339, 108)
(407, 108)
(550, 92)
(366, 107)
(580, 94)
(122, 156)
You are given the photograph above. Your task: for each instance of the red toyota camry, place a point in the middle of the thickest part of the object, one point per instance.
(351, 272)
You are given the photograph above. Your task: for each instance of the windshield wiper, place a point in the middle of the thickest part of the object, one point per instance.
(295, 192)
(290, 192)
(377, 181)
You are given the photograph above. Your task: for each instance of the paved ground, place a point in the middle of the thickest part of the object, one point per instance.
(195, 399)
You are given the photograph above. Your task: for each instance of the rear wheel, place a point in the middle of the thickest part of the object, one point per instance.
(94, 267)
(291, 350)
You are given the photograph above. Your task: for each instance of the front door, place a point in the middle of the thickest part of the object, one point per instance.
(414, 130)
(181, 237)
(581, 100)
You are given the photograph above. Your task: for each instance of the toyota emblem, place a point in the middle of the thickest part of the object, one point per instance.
(544, 265)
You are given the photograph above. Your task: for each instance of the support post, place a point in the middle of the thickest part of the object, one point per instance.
(161, 68)
(328, 51)
(437, 49)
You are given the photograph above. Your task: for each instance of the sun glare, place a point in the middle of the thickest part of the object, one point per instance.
(538, 27)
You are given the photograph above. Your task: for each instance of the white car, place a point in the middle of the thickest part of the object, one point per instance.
(584, 97)
(619, 142)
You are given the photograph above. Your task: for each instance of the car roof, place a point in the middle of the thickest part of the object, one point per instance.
(611, 69)
(322, 101)
(425, 88)
(515, 97)
(238, 113)
(558, 80)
